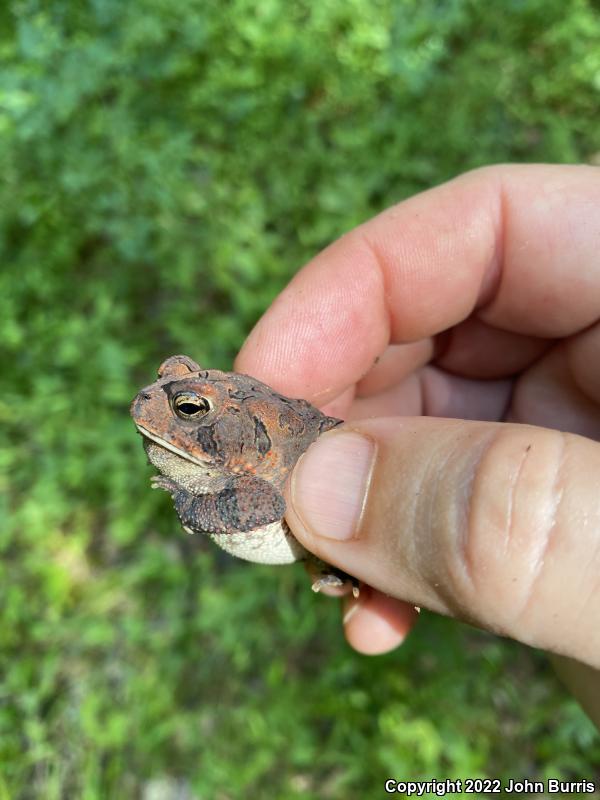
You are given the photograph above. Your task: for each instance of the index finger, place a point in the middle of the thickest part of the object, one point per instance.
(517, 246)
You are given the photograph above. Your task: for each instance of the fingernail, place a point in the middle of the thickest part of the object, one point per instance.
(330, 484)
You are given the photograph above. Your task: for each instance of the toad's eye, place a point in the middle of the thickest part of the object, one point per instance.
(189, 405)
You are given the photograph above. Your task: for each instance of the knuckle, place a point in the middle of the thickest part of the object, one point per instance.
(512, 520)
(505, 523)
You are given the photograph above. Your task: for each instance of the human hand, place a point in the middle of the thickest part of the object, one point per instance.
(477, 300)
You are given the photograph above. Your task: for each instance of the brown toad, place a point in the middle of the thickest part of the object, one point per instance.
(225, 444)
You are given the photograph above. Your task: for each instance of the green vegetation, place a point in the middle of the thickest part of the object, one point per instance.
(166, 167)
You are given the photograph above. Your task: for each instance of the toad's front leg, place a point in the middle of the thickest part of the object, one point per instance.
(245, 503)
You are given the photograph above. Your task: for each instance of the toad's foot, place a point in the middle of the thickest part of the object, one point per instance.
(331, 580)
(161, 482)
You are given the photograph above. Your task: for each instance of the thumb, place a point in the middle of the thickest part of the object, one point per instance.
(497, 524)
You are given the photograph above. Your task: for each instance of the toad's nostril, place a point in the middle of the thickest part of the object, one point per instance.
(145, 396)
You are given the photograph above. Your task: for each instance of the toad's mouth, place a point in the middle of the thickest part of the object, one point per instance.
(168, 446)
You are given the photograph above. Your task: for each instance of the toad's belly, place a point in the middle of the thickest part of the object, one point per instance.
(272, 544)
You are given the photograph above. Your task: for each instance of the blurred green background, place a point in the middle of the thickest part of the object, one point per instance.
(166, 167)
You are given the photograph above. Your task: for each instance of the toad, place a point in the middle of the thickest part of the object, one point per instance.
(224, 444)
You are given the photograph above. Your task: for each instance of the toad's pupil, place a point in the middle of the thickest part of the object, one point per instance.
(187, 407)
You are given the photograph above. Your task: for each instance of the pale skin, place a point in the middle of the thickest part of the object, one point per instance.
(472, 309)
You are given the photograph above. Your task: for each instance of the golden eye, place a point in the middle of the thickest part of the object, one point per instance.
(188, 405)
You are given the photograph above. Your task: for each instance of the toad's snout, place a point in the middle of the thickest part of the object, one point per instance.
(139, 402)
